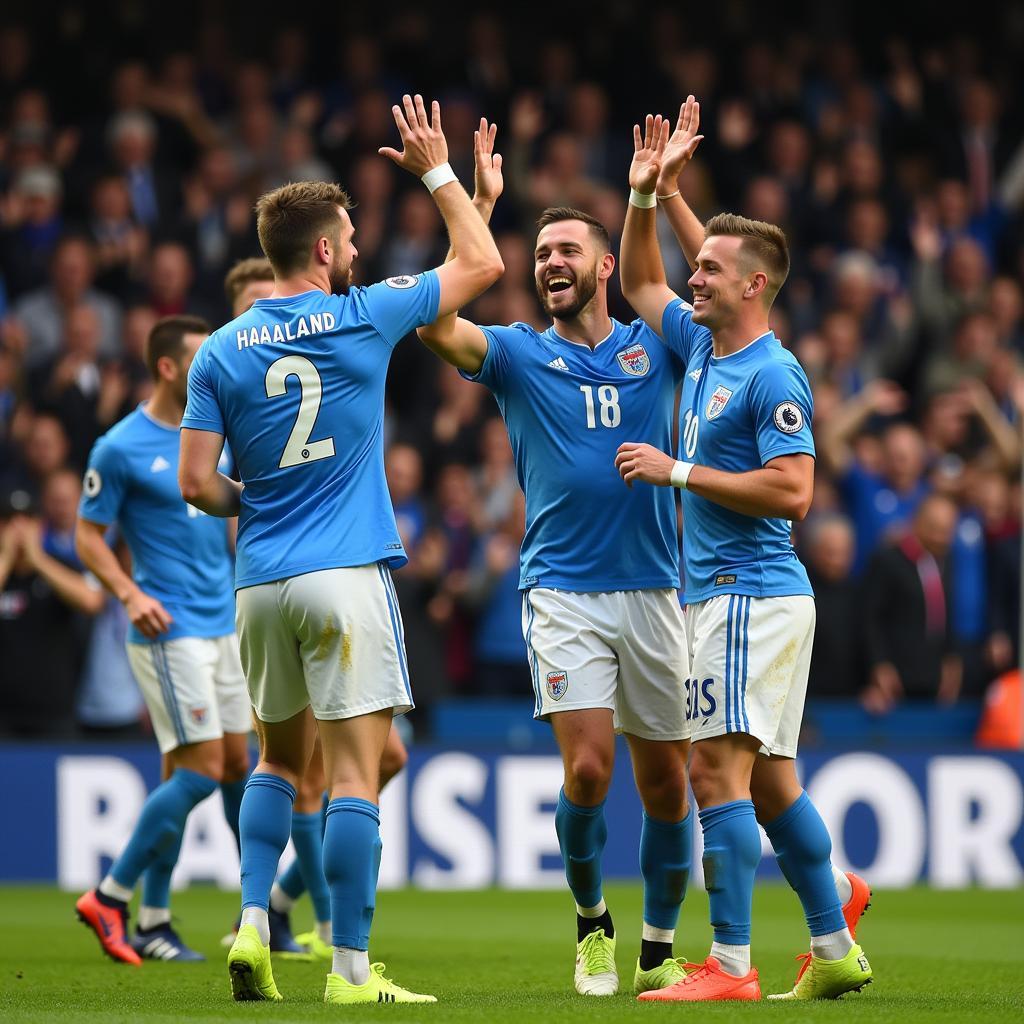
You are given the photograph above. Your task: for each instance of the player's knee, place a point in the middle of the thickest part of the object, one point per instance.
(709, 778)
(664, 797)
(587, 779)
(236, 765)
(203, 758)
(391, 763)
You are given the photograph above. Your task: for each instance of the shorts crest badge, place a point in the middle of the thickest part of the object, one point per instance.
(719, 398)
(198, 714)
(558, 683)
(634, 360)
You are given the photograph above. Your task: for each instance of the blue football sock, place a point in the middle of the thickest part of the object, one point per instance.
(231, 796)
(665, 851)
(264, 824)
(803, 849)
(732, 851)
(291, 882)
(351, 859)
(156, 881)
(581, 837)
(309, 856)
(161, 823)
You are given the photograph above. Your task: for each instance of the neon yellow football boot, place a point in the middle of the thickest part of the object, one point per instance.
(252, 978)
(376, 989)
(595, 973)
(668, 972)
(315, 946)
(829, 979)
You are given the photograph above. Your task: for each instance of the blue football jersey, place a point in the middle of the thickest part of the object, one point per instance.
(296, 385)
(179, 555)
(567, 409)
(737, 412)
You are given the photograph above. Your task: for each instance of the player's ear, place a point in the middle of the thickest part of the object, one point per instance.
(756, 285)
(607, 267)
(323, 249)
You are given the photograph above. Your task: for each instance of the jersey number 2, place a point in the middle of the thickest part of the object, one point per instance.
(300, 450)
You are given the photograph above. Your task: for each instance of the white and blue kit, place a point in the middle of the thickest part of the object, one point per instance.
(600, 561)
(749, 604)
(190, 677)
(296, 385)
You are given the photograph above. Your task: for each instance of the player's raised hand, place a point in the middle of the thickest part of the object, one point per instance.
(681, 146)
(487, 178)
(644, 462)
(648, 149)
(147, 614)
(423, 143)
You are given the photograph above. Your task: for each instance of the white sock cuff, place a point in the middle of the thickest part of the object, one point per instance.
(651, 934)
(595, 911)
(323, 929)
(150, 917)
(115, 891)
(843, 886)
(257, 917)
(280, 900)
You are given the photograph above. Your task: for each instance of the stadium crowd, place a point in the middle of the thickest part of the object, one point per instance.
(127, 182)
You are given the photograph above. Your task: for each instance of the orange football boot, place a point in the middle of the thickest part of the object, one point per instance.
(858, 904)
(706, 982)
(109, 924)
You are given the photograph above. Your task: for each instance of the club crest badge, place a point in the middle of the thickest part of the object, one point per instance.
(719, 399)
(634, 360)
(558, 683)
(402, 281)
(198, 714)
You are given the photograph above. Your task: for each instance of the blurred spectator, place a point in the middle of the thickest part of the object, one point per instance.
(40, 598)
(837, 659)
(155, 194)
(120, 244)
(43, 448)
(43, 312)
(403, 468)
(910, 632)
(31, 225)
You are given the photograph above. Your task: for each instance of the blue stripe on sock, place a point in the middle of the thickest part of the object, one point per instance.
(163, 672)
(746, 648)
(394, 629)
(728, 665)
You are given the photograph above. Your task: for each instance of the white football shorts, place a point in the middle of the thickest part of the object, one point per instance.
(749, 662)
(623, 649)
(332, 639)
(193, 687)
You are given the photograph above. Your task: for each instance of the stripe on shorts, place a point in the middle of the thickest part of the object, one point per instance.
(163, 674)
(727, 698)
(396, 632)
(532, 654)
(746, 648)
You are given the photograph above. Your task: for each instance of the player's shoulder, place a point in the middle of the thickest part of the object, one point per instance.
(514, 335)
(775, 362)
(124, 434)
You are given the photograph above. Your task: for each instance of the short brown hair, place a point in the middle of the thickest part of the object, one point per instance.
(555, 214)
(763, 244)
(291, 218)
(243, 273)
(167, 338)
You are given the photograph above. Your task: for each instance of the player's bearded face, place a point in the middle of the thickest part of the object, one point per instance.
(340, 272)
(565, 300)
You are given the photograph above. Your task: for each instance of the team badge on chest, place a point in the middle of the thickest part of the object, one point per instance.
(718, 401)
(558, 683)
(634, 360)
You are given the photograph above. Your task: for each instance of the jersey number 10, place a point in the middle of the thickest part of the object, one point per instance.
(300, 450)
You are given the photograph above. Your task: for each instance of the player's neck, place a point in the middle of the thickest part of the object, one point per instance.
(589, 327)
(726, 341)
(307, 281)
(165, 408)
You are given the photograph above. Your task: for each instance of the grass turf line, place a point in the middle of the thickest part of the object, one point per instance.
(501, 957)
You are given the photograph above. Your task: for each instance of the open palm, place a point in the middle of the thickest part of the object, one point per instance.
(647, 153)
(681, 145)
(487, 178)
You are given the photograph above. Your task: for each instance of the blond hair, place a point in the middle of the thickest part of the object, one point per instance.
(290, 219)
(764, 247)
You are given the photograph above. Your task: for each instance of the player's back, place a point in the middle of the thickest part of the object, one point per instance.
(296, 385)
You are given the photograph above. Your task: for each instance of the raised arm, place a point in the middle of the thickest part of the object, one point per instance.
(455, 340)
(477, 263)
(879, 396)
(146, 613)
(641, 271)
(70, 585)
(679, 149)
(201, 483)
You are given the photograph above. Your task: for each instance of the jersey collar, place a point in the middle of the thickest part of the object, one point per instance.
(579, 344)
(157, 423)
(750, 345)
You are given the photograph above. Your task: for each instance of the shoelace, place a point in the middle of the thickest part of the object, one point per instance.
(597, 953)
(378, 969)
(806, 958)
(693, 972)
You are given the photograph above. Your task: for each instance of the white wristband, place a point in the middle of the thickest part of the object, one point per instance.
(641, 199)
(671, 195)
(438, 176)
(680, 474)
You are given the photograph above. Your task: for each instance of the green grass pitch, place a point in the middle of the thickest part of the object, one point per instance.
(500, 956)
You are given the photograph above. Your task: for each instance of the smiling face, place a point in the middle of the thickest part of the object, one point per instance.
(569, 265)
(720, 281)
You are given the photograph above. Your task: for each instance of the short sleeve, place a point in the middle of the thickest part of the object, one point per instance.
(781, 407)
(400, 304)
(678, 330)
(202, 411)
(104, 484)
(502, 343)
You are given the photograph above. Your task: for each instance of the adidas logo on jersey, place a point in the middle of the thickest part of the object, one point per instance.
(695, 374)
(159, 465)
(559, 364)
